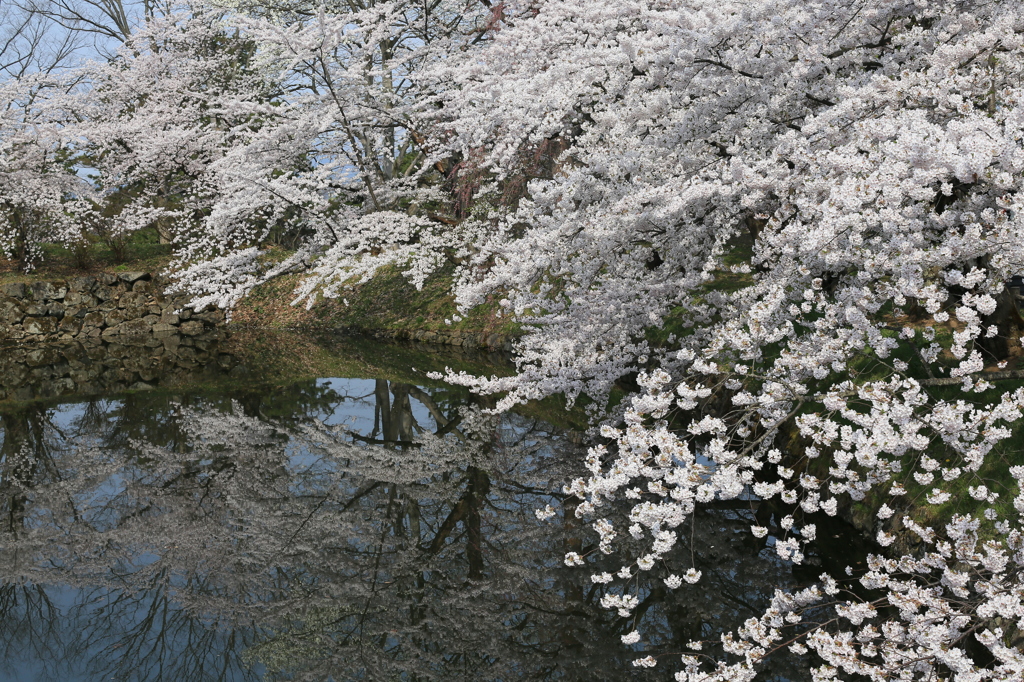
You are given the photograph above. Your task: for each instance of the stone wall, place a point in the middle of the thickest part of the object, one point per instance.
(128, 304)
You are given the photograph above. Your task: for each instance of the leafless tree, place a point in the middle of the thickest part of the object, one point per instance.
(30, 43)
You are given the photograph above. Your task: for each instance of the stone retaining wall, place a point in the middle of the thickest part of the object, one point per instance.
(127, 304)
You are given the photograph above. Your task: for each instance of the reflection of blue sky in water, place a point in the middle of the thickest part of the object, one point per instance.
(66, 658)
(68, 630)
(356, 405)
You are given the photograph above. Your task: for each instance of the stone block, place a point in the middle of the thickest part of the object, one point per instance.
(11, 310)
(186, 356)
(211, 317)
(23, 393)
(133, 312)
(191, 328)
(161, 328)
(70, 325)
(114, 318)
(74, 352)
(134, 327)
(131, 299)
(132, 277)
(142, 287)
(168, 316)
(38, 357)
(39, 325)
(125, 376)
(80, 298)
(93, 319)
(62, 386)
(15, 376)
(134, 364)
(151, 375)
(13, 289)
(48, 291)
(81, 284)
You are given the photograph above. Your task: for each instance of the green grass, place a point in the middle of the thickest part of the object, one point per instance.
(389, 301)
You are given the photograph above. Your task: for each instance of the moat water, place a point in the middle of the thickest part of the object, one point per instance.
(364, 527)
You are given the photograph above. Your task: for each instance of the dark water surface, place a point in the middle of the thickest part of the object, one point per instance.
(332, 528)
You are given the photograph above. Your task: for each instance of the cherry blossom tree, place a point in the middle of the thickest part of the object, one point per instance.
(243, 128)
(40, 195)
(46, 197)
(783, 230)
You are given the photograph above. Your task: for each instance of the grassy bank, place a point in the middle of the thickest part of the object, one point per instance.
(387, 303)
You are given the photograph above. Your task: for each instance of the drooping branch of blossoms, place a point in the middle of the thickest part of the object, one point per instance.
(824, 203)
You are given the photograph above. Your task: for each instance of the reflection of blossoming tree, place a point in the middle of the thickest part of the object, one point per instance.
(319, 553)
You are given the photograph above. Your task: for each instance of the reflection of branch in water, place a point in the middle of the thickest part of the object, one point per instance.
(141, 634)
(443, 423)
(26, 458)
(379, 441)
(31, 628)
